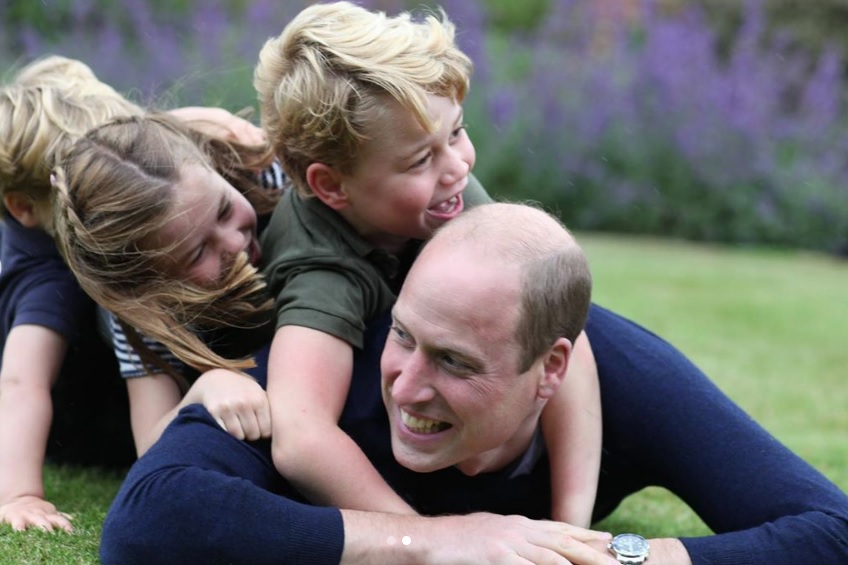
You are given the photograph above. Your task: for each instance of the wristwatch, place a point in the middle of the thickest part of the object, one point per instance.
(629, 549)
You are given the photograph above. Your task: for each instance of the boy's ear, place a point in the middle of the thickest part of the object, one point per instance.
(554, 366)
(22, 208)
(326, 184)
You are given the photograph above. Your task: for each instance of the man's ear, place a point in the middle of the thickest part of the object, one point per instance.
(22, 208)
(326, 185)
(554, 365)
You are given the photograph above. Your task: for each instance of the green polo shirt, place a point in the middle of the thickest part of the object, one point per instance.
(324, 275)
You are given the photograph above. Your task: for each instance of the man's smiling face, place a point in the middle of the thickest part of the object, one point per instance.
(450, 366)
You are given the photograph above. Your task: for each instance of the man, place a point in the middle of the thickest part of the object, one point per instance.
(464, 385)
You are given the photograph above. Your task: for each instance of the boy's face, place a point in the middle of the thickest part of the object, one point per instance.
(211, 223)
(409, 182)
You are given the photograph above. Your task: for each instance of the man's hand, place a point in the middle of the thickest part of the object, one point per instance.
(30, 511)
(475, 539)
(519, 540)
(236, 401)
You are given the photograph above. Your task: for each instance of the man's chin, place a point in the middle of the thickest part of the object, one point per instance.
(415, 460)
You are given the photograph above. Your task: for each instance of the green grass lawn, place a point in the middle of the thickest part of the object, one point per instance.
(768, 326)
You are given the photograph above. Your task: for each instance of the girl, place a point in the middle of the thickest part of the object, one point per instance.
(123, 189)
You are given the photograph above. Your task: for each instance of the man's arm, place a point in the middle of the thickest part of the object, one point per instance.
(668, 425)
(201, 496)
(32, 358)
(474, 539)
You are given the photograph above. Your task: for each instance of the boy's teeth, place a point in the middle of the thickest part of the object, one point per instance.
(422, 426)
(448, 205)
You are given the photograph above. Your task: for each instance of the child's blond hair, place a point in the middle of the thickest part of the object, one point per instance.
(48, 105)
(329, 74)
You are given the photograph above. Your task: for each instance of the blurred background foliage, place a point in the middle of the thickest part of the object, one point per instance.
(714, 120)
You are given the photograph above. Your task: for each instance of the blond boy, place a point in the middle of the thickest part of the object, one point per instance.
(364, 111)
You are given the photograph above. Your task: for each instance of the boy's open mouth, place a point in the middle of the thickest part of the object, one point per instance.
(449, 208)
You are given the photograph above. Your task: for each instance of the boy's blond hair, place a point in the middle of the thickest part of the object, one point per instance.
(49, 104)
(327, 76)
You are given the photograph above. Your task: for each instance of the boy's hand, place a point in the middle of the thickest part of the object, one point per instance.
(236, 402)
(30, 511)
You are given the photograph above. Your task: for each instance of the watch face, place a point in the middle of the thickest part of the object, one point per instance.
(629, 545)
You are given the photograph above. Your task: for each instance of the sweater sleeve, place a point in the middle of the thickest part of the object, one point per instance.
(678, 430)
(201, 496)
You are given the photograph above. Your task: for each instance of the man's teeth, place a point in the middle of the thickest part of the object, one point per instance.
(422, 426)
(448, 205)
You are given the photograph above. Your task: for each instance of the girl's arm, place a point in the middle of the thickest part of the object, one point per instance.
(237, 402)
(32, 358)
(571, 422)
(309, 374)
(153, 400)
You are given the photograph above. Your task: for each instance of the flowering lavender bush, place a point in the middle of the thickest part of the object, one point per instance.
(640, 125)
(625, 121)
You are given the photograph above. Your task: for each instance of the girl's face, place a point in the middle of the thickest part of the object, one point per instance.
(211, 223)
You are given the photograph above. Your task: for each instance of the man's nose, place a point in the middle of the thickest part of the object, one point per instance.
(413, 381)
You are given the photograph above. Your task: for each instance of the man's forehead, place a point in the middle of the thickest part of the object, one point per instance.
(452, 293)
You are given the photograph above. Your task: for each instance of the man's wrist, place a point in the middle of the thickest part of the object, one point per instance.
(668, 551)
(377, 538)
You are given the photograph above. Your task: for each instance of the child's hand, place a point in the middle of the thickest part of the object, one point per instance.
(236, 402)
(30, 511)
(218, 122)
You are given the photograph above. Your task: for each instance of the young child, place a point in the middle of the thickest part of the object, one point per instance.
(158, 223)
(48, 324)
(364, 112)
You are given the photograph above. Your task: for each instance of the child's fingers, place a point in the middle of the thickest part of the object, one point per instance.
(40, 515)
(250, 425)
(232, 424)
(61, 521)
(264, 418)
(42, 522)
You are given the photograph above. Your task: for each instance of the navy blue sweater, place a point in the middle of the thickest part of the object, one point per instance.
(200, 496)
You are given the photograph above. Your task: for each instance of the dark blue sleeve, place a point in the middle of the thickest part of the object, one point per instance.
(201, 496)
(666, 424)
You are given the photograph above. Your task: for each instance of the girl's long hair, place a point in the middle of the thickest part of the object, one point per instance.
(113, 190)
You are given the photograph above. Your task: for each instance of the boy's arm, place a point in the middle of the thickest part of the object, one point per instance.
(309, 375)
(571, 422)
(32, 358)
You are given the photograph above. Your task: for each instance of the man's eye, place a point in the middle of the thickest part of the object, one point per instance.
(401, 335)
(453, 364)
